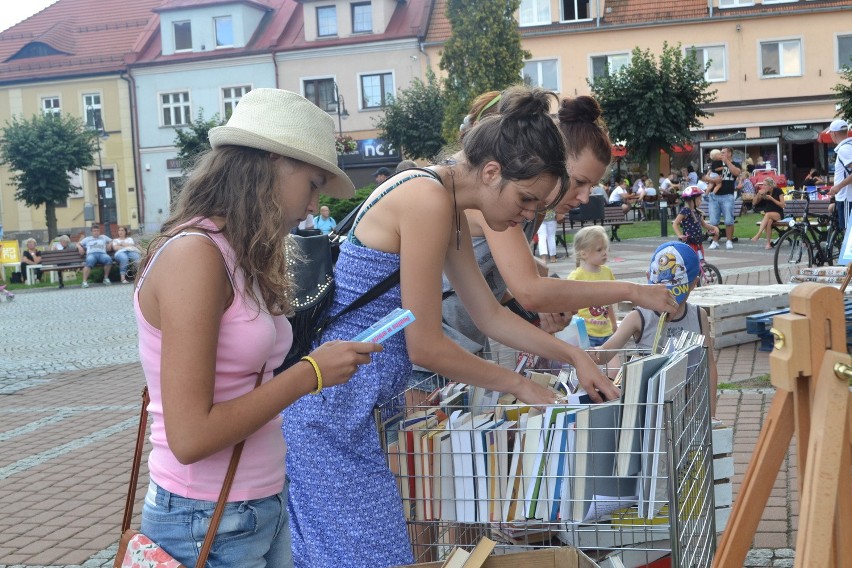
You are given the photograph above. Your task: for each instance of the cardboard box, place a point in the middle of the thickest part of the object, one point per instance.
(563, 557)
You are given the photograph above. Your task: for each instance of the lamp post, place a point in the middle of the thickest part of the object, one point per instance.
(103, 200)
(341, 114)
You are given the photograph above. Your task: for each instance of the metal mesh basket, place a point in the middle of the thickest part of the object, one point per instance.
(477, 467)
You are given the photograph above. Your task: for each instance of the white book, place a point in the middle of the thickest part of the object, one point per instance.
(481, 425)
(531, 453)
(459, 426)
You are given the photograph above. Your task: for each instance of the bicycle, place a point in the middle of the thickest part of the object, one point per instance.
(708, 274)
(807, 242)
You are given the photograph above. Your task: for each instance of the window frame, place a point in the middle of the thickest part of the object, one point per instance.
(704, 48)
(175, 36)
(224, 101)
(216, 20)
(54, 110)
(779, 42)
(97, 109)
(837, 65)
(563, 19)
(381, 74)
(317, 79)
(735, 4)
(536, 21)
(538, 62)
(608, 55)
(355, 5)
(161, 106)
(333, 8)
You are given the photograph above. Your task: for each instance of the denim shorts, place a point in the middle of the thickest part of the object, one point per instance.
(721, 205)
(95, 257)
(252, 534)
(598, 341)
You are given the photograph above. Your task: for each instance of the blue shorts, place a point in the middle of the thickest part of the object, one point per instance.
(723, 204)
(840, 208)
(94, 258)
(252, 534)
(598, 341)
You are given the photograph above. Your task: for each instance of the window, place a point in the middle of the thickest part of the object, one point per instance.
(175, 185)
(781, 58)
(844, 51)
(174, 108)
(604, 65)
(224, 31)
(183, 36)
(321, 93)
(326, 21)
(92, 107)
(375, 90)
(50, 105)
(362, 18)
(230, 97)
(542, 73)
(715, 56)
(735, 3)
(575, 10)
(534, 12)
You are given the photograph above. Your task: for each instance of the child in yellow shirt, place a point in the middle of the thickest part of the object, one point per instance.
(591, 246)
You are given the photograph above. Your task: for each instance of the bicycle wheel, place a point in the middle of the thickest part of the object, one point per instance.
(711, 275)
(792, 252)
(835, 241)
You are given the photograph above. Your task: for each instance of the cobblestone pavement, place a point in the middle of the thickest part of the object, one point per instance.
(69, 401)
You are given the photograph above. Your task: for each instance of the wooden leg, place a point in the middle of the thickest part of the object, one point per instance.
(772, 444)
(843, 526)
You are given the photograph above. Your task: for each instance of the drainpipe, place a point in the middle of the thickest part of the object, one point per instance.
(134, 134)
(710, 7)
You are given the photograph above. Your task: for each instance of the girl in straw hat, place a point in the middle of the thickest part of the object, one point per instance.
(344, 504)
(210, 304)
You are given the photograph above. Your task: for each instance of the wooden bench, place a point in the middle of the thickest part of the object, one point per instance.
(597, 212)
(59, 260)
(614, 218)
(795, 209)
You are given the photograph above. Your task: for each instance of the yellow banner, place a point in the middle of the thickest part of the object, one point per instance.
(9, 251)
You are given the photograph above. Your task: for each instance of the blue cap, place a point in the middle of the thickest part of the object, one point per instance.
(674, 264)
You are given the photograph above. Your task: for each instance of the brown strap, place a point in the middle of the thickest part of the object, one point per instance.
(223, 495)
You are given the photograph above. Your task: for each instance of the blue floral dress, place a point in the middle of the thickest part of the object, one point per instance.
(344, 505)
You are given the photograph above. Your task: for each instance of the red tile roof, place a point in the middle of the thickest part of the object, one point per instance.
(93, 35)
(181, 4)
(148, 50)
(439, 26)
(410, 20)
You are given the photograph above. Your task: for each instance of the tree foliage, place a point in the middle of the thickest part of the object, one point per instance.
(412, 120)
(844, 94)
(41, 151)
(192, 141)
(483, 54)
(651, 104)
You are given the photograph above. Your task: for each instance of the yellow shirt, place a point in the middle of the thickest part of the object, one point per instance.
(597, 319)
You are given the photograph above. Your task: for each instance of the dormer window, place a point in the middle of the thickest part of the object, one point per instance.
(362, 17)
(224, 31)
(183, 35)
(326, 21)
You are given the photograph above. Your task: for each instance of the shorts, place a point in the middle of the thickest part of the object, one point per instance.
(723, 204)
(598, 341)
(252, 534)
(94, 258)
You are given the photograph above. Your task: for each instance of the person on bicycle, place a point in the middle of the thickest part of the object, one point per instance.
(689, 222)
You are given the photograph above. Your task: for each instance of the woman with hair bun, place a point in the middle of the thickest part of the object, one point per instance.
(505, 259)
(344, 503)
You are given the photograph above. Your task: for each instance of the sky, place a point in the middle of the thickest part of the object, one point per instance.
(15, 11)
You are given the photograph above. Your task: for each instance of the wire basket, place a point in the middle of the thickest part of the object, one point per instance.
(469, 465)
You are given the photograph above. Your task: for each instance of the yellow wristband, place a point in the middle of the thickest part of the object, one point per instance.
(316, 371)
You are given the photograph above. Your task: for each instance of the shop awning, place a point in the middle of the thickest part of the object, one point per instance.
(800, 135)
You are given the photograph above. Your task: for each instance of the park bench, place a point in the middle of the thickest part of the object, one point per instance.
(59, 260)
(795, 209)
(596, 212)
(705, 210)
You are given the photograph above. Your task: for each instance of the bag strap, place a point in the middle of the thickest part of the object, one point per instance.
(223, 495)
(386, 284)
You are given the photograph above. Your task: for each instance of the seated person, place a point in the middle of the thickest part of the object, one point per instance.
(94, 248)
(31, 255)
(619, 196)
(126, 252)
(769, 199)
(63, 242)
(641, 324)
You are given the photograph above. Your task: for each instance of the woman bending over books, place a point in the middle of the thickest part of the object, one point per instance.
(210, 307)
(344, 504)
(504, 255)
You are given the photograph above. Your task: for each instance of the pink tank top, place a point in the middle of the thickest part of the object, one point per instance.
(248, 338)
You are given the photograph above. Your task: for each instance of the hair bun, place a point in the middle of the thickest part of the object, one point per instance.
(520, 101)
(579, 109)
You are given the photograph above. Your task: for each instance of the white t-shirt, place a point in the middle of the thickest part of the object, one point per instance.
(308, 223)
(615, 196)
(843, 166)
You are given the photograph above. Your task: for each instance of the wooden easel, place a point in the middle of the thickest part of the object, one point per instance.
(810, 369)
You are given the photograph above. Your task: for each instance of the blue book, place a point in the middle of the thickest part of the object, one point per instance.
(389, 325)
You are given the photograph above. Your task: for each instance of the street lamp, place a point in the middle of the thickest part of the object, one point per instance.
(341, 109)
(102, 133)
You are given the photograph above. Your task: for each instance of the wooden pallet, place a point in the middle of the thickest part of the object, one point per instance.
(727, 306)
(760, 324)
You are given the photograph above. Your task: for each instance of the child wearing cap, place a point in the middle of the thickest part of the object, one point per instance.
(674, 264)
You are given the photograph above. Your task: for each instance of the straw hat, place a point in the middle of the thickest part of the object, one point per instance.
(286, 124)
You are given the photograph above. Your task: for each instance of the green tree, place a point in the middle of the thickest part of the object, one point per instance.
(844, 94)
(652, 105)
(483, 54)
(192, 140)
(41, 152)
(413, 119)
